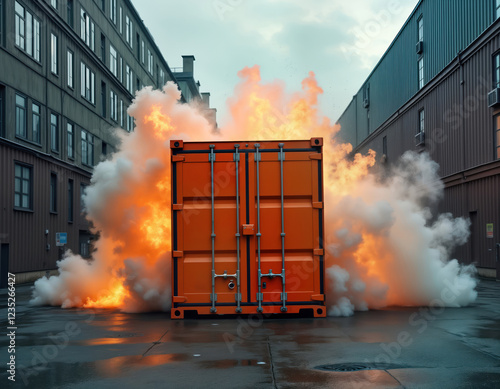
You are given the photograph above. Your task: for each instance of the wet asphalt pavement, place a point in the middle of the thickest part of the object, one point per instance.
(400, 347)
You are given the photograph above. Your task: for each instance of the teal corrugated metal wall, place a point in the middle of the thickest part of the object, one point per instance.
(449, 27)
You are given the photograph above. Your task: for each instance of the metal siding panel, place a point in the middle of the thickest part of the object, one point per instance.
(25, 231)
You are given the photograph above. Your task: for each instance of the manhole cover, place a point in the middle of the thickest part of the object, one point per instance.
(347, 367)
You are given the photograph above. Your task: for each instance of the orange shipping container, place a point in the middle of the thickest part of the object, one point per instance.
(247, 228)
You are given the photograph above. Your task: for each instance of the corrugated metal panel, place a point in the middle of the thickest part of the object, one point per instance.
(25, 231)
(449, 27)
(246, 234)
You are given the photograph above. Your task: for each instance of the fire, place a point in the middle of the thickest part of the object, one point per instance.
(157, 227)
(161, 123)
(381, 247)
(110, 299)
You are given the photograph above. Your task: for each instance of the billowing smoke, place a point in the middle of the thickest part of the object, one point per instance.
(384, 247)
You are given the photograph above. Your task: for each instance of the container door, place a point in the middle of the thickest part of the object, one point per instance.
(288, 252)
(206, 248)
(247, 227)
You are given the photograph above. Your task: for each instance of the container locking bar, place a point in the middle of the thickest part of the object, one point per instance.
(238, 293)
(283, 295)
(213, 296)
(259, 294)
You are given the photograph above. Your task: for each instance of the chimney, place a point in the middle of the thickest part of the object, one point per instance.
(205, 97)
(188, 63)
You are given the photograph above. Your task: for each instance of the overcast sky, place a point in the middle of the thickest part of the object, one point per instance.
(340, 40)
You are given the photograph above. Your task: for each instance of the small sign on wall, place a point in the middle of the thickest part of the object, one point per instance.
(61, 238)
(489, 230)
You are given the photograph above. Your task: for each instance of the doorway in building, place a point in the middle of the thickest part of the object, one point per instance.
(4, 265)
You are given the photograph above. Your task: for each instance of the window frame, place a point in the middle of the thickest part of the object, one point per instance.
(420, 67)
(21, 29)
(70, 63)
(420, 28)
(38, 138)
(87, 29)
(113, 60)
(71, 200)
(21, 193)
(53, 192)
(70, 140)
(87, 139)
(113, 109)
(24, 133)
(112, 10)
(87, 79)
(54, 54)
(54, 132)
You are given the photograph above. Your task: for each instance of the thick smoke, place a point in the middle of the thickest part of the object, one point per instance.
(128, 203)
(387, 248)
(384, 247)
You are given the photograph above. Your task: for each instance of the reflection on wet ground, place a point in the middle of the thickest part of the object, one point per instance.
(387, 348)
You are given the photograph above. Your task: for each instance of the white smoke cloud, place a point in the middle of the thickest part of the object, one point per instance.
(383, 245)
(402, 257)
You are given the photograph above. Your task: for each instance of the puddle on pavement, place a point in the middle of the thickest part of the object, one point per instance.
(229, 363)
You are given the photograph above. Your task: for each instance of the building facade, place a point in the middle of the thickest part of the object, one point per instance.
(69, 69)
(436, 89)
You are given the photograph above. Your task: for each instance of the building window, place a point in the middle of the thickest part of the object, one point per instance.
(138, 42)
(113, 106)
(420, 73)
(87, 148)
(420, 136)
(70, 200)
(384, 146)
(53, 3)
(497, 7)
(129, 31)
(112, 10)
(103, 48)
(103, 5)
(420, 31)
(497, 135)
(2, 23)
(103, 99)
(20, 25)
(142, 51)
(83, 187)
(120, 22)
(21, 116)
(53, 54)
(121, 69)
(23, 186)
(162, 78)
(70, 134)
(70, 69)
(70, 13)
(130, 123)
(496, 70)
(113, 61)
(54, 132)
(36, 129)
(150, 62)
(2, 99)
(27, 32)
(130, 79)
(104, 148)
(121, 113)
(53, 192)
(87, 83)
(421, 121)
(87, 29)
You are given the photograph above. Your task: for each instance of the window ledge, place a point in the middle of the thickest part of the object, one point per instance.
(23, 210)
